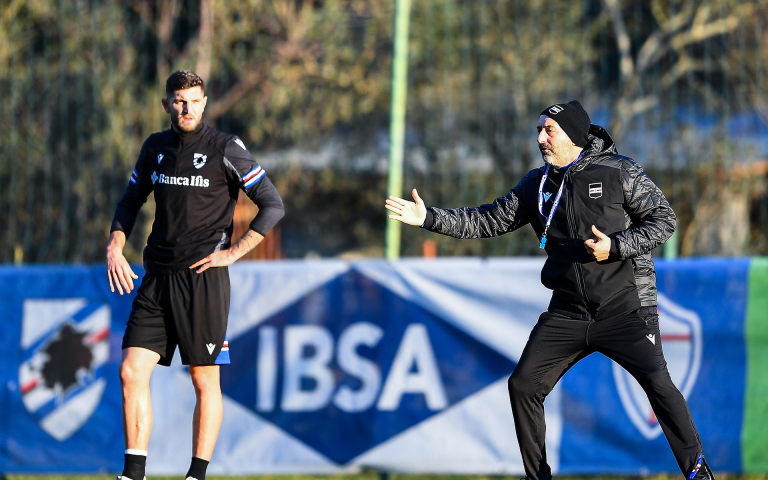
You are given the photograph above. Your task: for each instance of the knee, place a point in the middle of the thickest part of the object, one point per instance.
(131, 375)
(205, 382)
(520, 386)
(658, 382)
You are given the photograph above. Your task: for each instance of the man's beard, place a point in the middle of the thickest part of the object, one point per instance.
(552, 156)
(177, 122)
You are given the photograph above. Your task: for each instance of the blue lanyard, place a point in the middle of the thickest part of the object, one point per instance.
(556, 202)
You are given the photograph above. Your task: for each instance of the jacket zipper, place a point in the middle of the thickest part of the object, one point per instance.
(572, 229)
(178, 156)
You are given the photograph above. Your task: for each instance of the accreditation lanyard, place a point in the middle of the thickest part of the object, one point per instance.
(556, 202)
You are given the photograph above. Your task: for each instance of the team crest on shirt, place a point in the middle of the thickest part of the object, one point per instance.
(682, 342)
(200, 160)
(595, 190)
(64, 351)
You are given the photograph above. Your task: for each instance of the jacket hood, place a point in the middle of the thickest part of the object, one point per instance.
(600, 142)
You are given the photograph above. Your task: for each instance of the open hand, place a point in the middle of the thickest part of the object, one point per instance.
(222, 258)
(119, 270)
(600, 248)
(407, 212)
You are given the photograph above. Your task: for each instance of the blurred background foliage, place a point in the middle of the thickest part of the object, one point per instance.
(306, 84)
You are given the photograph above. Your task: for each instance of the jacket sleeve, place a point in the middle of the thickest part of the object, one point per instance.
(243, 170)
(651, 219)
(504, 215)
(139, 188)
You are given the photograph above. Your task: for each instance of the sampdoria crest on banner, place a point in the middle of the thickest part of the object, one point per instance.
(64, 345)
(682, 342)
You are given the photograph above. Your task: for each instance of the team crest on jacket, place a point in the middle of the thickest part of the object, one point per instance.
(682, 342)
(200, 160)
(64, 349)
(595, 190)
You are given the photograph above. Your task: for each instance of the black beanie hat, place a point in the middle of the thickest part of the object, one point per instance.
(573, 119)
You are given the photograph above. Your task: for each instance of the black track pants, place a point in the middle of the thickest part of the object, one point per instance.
(558, 342)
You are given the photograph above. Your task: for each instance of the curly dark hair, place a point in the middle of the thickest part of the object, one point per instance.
(182, 80)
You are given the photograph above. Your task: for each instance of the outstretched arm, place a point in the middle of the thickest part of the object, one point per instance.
(503, 215)
(412, 213)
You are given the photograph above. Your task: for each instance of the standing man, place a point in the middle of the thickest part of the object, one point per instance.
(196, 173)
(598, 216)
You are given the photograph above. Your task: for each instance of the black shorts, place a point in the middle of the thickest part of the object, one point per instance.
(187, 309)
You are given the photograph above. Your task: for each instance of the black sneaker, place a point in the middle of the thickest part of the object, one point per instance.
(701, 471)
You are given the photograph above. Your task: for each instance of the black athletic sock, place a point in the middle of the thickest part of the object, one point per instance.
(134, 466)
(197, 468)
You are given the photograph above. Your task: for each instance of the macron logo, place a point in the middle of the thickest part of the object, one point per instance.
(651, 337)
(210, 347)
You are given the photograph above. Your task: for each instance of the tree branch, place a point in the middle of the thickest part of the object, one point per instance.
(204, 39)
(235, 94)
(622, 39)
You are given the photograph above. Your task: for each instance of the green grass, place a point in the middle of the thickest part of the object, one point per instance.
(371, 475)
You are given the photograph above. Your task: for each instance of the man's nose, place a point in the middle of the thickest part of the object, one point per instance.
(542, 138)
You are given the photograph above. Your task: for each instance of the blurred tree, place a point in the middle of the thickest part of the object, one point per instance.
(81, 82)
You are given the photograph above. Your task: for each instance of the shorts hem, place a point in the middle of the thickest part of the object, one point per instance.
(164, 361)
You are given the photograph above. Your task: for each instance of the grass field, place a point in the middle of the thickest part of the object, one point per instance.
(371, 475)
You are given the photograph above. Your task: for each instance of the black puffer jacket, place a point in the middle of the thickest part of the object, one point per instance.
(603, 189)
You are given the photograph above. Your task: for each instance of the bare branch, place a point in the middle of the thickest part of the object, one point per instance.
(656, 44)
(638, 106)
(235, 94)
(622, 38)
(701, 32)
(6, 47)
(204, 39)
(168, 13)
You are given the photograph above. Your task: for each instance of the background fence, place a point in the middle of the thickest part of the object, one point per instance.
(306, 83)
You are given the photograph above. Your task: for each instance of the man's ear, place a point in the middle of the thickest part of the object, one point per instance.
(164, 101)
(205, 101)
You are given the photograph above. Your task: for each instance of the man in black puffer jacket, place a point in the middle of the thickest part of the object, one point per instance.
(598, 216)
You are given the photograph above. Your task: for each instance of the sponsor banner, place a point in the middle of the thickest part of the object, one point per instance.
(396, 366)
(60, 334)
(338, 367)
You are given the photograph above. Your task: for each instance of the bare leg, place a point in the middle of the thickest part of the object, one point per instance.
(208, 409)
(135, 371)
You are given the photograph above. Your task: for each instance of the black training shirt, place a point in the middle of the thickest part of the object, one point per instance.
(196, 178)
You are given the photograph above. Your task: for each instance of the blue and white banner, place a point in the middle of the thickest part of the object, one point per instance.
(336, 366)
